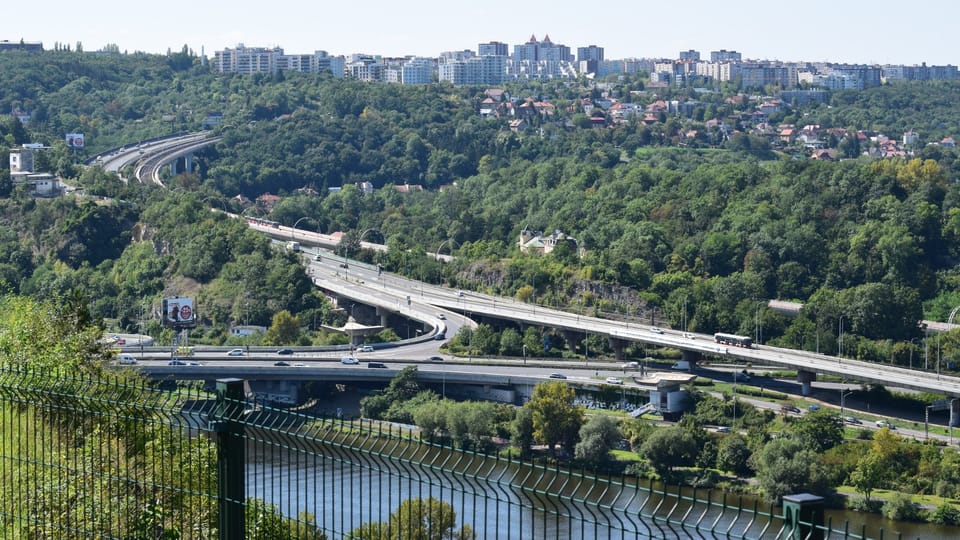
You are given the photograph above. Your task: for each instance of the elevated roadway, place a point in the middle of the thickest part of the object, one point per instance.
(359, 279)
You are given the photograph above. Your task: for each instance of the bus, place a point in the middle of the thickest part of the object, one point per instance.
(294, 246)
(733, 339)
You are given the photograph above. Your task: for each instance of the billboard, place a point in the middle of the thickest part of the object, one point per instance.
(178, 312)
(75, 140)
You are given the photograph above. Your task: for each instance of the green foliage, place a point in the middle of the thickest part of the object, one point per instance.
(597, 437)
(556, 419)
(733, 455)
(784, 467)
(900, 507)
(945, 514)
(423, 519)
(819, 430)
(670, 447)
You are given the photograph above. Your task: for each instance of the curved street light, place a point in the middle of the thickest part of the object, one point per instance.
(293, 230)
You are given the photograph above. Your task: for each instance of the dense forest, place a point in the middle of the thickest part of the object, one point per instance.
(674, 219)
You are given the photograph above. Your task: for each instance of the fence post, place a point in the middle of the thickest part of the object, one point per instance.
(231, 457)
(803, 516)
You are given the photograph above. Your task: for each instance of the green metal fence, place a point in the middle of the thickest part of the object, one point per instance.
(115, 457)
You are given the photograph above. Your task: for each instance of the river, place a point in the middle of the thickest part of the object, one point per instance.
(344, 489)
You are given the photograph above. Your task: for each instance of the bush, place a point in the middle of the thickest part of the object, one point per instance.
(862, 504)
(945, 514)
(900, 507)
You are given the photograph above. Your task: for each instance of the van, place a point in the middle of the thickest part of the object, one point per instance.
(126, 359)
(682, 365)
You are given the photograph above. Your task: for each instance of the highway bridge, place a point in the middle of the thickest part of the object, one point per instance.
(365, 284)
(148, 157)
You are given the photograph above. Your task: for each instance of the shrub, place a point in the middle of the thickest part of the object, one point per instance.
(900, 507)
(946, 514)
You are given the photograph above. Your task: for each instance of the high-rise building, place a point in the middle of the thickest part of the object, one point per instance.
(690, 55)
(493, 48)
(418, 70)
(724, 55)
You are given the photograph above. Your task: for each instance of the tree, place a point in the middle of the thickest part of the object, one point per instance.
(819, 430)
(416, 519)
(556, 420)
(597, 437)
(522, 430)
(785, 466)
(284, 330)
(668, 448)
(733, 454)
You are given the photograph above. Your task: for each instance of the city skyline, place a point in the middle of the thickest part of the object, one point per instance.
(817, 31)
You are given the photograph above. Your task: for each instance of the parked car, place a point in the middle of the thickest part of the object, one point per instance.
(556, 375)
(349, 360)
(614, 380)
(380, 365)
(235, 352)
(285, 351)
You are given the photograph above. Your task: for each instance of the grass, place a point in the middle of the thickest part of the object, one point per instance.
(927, 501)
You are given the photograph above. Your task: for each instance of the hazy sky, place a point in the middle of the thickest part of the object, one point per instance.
(853, 31)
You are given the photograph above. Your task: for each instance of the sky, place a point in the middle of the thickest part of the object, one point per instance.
(847, 31)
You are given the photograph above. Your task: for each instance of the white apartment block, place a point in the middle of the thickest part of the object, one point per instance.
(249, 60)
(418, 70)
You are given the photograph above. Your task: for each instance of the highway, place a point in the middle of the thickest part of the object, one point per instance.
(150, 156)
(362, 283)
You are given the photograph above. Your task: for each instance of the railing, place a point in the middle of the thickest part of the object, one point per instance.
(116, 457)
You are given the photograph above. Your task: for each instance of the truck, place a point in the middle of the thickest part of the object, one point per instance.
(681, 365)
(294, 246)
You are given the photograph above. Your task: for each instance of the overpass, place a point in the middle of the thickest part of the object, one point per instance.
(151, 155)
(359, 279)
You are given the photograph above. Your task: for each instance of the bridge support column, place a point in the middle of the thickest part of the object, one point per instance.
(573, 339)
(188, 163)
(618, 346)
(691, 357)
(806, 378)
(954, 412)
(173, 168)
(384, 317)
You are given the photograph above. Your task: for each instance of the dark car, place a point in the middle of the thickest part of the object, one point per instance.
(380, 365)
(285, 351)
(176, 362)
(281, 363)
(435, 359)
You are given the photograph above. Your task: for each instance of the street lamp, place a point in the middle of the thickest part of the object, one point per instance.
(293, 230)
(843, 395)
(758, 323)
(926, 422)
(840, 340)
(524, 354)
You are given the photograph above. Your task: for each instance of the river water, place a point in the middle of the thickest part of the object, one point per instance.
(343, 489)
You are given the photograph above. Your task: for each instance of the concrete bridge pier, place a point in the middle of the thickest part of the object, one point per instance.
(806, 378)
(954, 412)
(188, 163)
(618, 346)
(384, 317)
(691, 357)
(573, 339)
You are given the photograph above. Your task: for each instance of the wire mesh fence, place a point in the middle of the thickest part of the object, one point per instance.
(117, 457)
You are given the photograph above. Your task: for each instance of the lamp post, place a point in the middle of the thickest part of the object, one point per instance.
(926, 422)
(844, 392)
(293, 230)
(524, 354)
(840, 340)
(758, 323)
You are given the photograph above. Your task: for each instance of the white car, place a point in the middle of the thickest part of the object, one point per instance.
(235, 352)
(349, 360)
(656, 330)
(126, 359)
(614, 380)
(366, 348)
